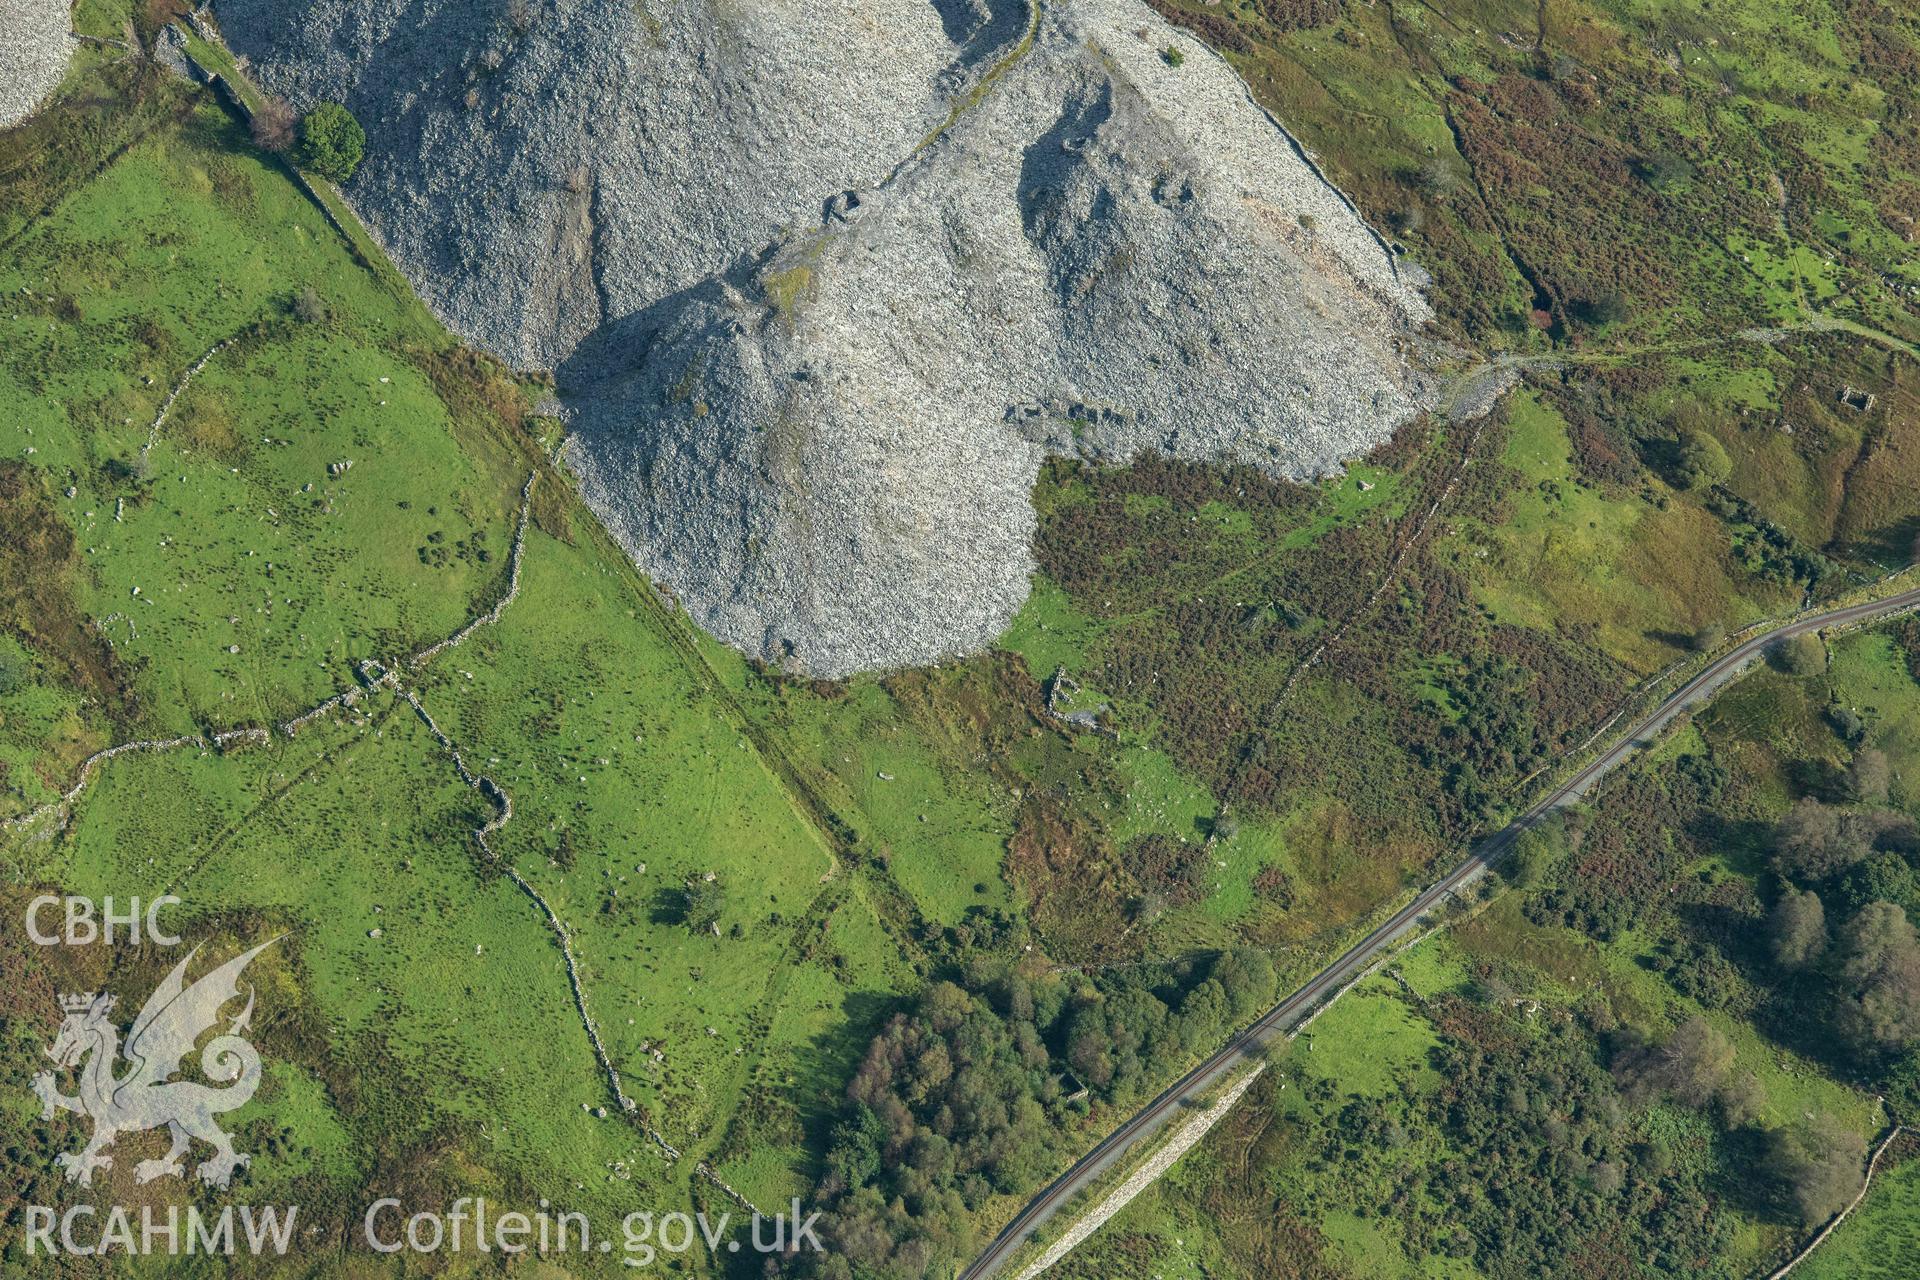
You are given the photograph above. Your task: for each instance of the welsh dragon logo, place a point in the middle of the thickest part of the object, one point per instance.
(174, 1018)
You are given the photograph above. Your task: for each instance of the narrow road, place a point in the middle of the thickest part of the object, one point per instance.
(1285, 1015)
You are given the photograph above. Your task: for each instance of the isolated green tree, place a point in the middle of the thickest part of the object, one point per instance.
(1708, 636)
(1538, 854)
(332, 142)
(309, 307)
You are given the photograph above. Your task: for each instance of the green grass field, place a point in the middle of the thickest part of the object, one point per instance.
(233, 572)
(424, 1030)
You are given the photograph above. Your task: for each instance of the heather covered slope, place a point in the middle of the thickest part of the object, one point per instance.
(823, 296)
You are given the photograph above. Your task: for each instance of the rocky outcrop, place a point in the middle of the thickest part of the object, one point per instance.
(824, 282)
(35, 45)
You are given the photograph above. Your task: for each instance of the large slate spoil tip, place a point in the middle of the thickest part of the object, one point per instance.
(823, 282)
(34, 48)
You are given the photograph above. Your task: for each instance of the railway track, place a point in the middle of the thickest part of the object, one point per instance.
(1331, 980)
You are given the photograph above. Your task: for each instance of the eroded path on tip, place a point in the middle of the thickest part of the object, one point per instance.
(975, 95)
(1331, 982)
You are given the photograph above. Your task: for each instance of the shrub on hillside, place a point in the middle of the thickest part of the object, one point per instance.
(1869, 777)
(309, 307)
(332, 142)
(1703, 462)
(1692, 1065)
(1802, 655)
(1880, 965)
(702, 902)
(273, 125)
(1175, 870)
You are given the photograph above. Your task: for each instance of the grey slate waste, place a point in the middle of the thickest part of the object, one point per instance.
(823, 281)
(35, 45)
